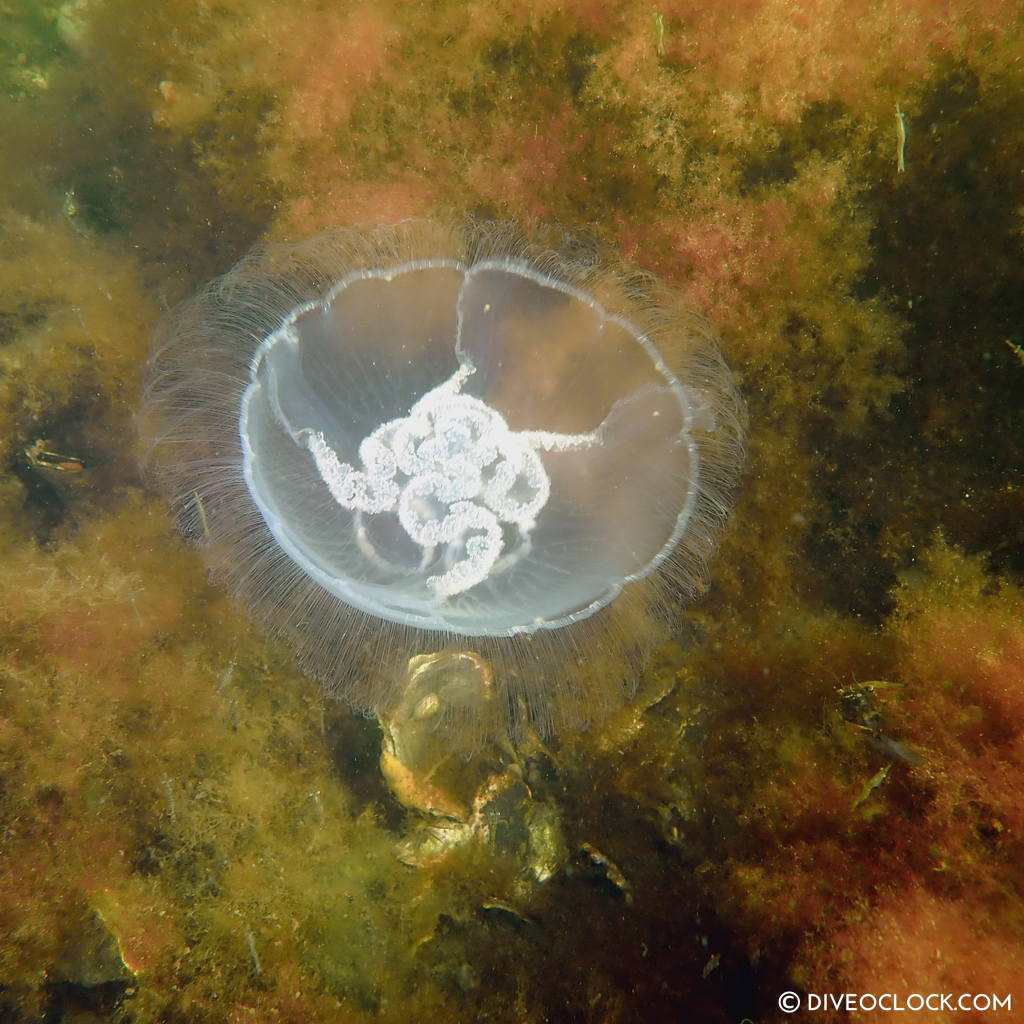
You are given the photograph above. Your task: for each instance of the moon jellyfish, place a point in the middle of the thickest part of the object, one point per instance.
(451, 444)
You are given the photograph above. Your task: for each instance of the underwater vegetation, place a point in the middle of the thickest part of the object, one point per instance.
(816, 784)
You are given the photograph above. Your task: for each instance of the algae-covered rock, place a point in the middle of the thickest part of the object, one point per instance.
(817, 787)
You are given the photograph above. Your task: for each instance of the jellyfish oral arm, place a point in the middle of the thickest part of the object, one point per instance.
(454, 473)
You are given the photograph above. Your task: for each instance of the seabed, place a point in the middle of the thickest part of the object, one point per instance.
(817, 787)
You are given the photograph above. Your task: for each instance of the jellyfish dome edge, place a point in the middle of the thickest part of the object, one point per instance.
(429, 438)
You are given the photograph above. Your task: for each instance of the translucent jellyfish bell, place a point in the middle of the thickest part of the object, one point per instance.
(430, 438)
(482, 450)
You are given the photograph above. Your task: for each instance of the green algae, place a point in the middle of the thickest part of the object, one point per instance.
(191, 831)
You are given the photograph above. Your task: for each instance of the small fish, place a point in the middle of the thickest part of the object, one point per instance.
(41, 455)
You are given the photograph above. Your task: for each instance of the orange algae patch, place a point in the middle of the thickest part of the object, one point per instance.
(916, 942)
(148, 934)
(964, 672)
(96, 604)
(890, 847)
(533, 165)
(329, 59)
(974, 655)
(780, 56)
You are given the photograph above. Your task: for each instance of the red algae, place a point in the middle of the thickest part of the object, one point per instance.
(819, 786)
(916, 937)
(873, 874)
(331, 60)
